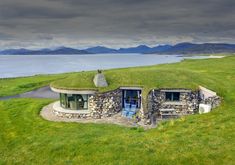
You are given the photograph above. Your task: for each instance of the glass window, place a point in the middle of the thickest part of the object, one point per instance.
(172, 96)
(85, 100)
(63, 100)
(71, 102)
(132, 98)
(81, 102)
(74, 101)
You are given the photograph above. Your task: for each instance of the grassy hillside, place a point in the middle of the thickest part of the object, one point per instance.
(187, 74)
(26, 138)
(13, 86)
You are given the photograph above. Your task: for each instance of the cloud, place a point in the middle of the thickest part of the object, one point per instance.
(30, 11)
(4, 36)
(45, 37)
(117, 23)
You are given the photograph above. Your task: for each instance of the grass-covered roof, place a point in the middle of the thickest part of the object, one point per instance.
(187, 74)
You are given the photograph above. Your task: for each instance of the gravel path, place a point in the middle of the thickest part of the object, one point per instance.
(47, 113)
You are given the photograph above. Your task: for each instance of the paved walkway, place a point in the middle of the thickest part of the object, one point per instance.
(47, 113)
(44, 92)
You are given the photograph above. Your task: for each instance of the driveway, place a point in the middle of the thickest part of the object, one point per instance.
(44, 92)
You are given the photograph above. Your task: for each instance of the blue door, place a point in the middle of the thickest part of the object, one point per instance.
(131, 102)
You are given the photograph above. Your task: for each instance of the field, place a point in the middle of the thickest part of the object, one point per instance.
(26, 138)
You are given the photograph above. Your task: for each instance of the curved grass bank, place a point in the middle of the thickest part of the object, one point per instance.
(26, 138)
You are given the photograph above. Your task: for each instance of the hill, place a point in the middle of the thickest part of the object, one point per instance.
(58, 51)
(189, 48)
(181, 48)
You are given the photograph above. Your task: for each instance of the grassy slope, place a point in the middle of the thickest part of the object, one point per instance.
(13, 86)
(199, 139)
(167, 75)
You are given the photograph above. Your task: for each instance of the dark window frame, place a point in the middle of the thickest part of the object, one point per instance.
(172, 96)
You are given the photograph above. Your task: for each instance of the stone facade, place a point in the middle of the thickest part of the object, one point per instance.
(214, 101)
(71, 115)
(188, 102)
(209, 97)
(101, 105)
(105, 104)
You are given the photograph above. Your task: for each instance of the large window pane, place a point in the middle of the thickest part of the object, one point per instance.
(168, 96)
(71, 102)
(85, 99)
(63, 100)
(176, 96)
(74, 102)
(172, 96)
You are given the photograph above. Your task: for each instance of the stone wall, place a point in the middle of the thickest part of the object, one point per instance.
(208, 96)
(66, 113)
(99, 105)
(188, 103)
(70, 115)
(109, 103)
(214, 101)
(105, 104)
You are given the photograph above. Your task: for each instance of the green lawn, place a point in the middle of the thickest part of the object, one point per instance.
(25, 138)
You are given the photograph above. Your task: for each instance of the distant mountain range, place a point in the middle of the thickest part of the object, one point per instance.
(181, 48)
(61, 50)
(189, 48)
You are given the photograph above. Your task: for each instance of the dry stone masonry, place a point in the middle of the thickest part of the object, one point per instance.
(71, 115)
(187, 104)
(105, 104)
(214, 101)
(102, 105)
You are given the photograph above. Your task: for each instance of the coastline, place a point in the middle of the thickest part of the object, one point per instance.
(57, 64)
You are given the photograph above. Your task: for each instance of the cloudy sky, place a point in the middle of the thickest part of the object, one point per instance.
(114, 23)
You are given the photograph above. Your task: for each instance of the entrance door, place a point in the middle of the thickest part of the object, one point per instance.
(131, 102)
(132, 98)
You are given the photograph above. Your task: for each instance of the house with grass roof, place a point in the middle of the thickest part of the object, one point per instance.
(96, 96)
